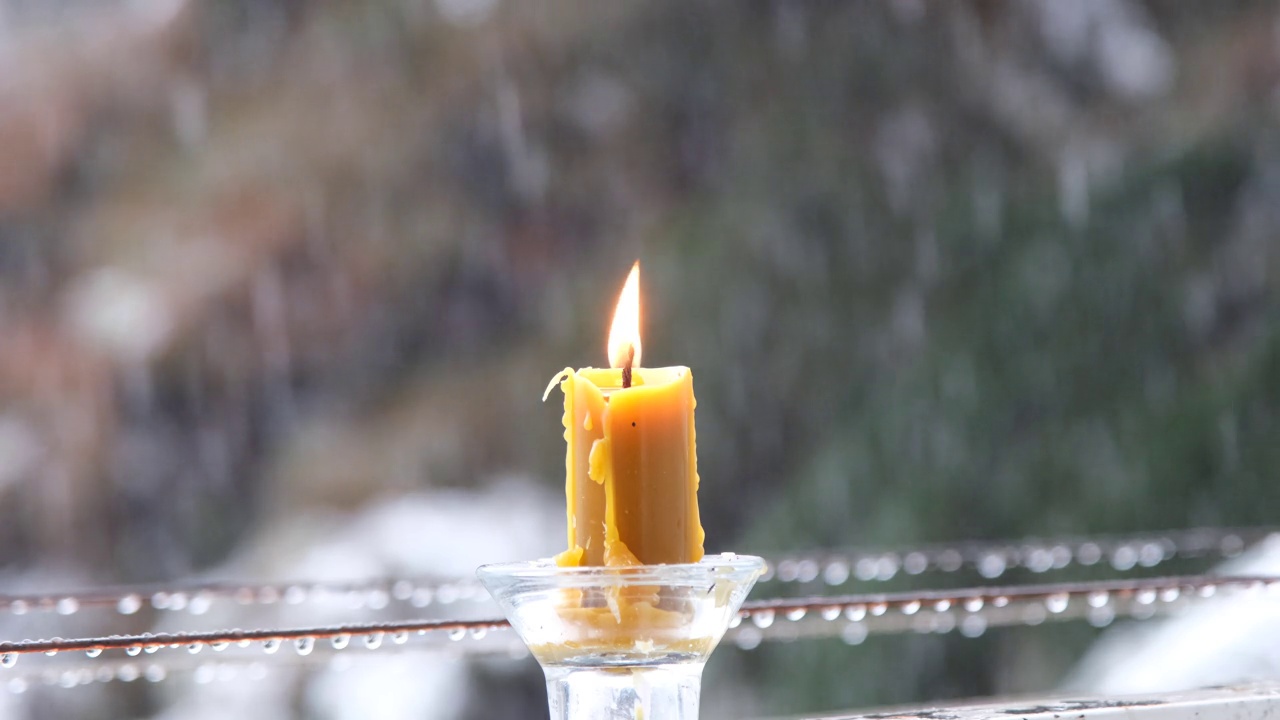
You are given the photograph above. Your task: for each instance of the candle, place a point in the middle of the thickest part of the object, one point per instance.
(631, 465)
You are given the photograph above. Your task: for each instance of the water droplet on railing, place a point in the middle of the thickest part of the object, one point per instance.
(1145, 596)
(807, 571)
(93, 652)
(178, 601)
(942, 606)
(1088, 554)
(836, 573)
(950, 560)
(219, 645)
(402, 590)
(865, 569)
(67, 606)
(339, 642)
(155, 673)
(129, 604)
(270, 645)
(1034, 614)
(1150, 555)
(1124, 558)
(1142, 612)
(127, 673)
(748, 639)
(204, 674)
(304, 645)
(400, 637)
(887, 567)
(133, 650)
(374, 640)
(878, 609)
(8, 660)
(796, 614)
(1061, 555)
(999, 601)
(268, 595)
(1057, 602)
(295, 595)
(911, 607)
(457, 634)
(762, 618)
(974, 604)
(151, 649)
(1038, 560)
(787, 570)
(19, 607)
(1169, 595)
(973, 626)
(421, 597)
(479, 633)
(854, 633)
(160, 600)
(200, 603)
(854, 613)
(944, 622)
(1101, 616)
(735, 621)
(992, 565)
(831, 613)
(195, 648)
(915, 563)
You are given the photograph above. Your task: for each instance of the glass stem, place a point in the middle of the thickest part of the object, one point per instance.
(653, 692)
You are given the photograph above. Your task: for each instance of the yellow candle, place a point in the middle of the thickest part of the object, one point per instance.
(631, 463)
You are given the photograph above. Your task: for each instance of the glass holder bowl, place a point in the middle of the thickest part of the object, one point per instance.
(623, 642)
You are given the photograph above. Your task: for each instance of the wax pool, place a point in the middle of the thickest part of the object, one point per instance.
(631, 467)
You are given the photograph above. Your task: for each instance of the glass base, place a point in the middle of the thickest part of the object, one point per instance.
(623, 642)
(667, 692)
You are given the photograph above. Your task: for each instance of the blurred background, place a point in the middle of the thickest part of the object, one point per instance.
(282, 282)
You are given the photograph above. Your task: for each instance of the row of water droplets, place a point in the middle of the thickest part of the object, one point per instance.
(993, 560)
(973, 615)
(969, 612)
(834, 568)
(197, 601)
(67, 679)
(230, 669)
(301, 645)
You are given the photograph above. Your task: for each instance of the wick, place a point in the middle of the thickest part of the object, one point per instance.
(626, 369)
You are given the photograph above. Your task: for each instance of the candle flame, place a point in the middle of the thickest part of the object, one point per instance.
(624, 334)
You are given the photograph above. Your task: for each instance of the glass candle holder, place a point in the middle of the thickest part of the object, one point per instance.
(623, 642)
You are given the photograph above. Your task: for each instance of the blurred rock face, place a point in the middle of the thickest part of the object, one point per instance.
(973, 269)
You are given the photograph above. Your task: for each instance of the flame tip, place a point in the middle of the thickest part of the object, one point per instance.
(624, 333)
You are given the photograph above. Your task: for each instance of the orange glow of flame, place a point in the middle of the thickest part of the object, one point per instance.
(624, 334)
